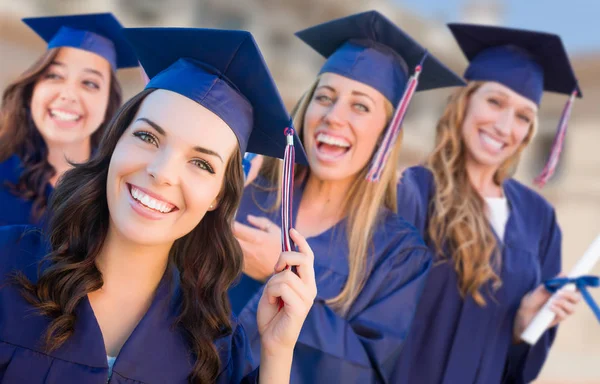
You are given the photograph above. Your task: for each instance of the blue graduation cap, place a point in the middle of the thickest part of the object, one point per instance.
(369, 48)
(223, 71)
(528, 62)
(99, 33)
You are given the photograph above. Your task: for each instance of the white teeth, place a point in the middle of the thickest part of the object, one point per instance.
(332, 140)
(64, 116)
(491, 141)
(149, 201)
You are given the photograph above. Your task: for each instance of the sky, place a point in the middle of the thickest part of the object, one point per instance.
(576, 21)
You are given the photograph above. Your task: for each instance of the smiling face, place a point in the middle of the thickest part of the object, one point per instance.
(342, 124)
(496, 124)
(69, 100)
(167, 169)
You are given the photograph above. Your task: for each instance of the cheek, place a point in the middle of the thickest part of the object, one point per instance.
(95, 105)
(520, 133)
(40, 98)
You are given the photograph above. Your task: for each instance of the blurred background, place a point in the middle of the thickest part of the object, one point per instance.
(575, 189)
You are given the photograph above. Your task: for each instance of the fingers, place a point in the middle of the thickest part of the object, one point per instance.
(247, 233)
(294, 282)
(302, 244)
(262, 223)
(564, 305)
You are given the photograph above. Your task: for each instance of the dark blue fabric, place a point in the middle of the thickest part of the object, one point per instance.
(99, 33)
(223, 71)
(15, 209)
(369, 48)
(362, 346)
(528, 62)
(454, 340)
(156, 352)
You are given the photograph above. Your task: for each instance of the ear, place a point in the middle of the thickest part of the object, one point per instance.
(213, 205)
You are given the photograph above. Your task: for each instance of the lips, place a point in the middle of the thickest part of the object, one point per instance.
(151, 201)
(331, 147)
(490, 143)
(63, 115)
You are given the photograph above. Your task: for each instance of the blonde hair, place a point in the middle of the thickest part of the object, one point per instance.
(457, 211)
(362, 205)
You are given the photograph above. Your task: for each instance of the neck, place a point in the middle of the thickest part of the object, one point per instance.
(130, 267)
(59, 156)
(326, 196)
(482, 178)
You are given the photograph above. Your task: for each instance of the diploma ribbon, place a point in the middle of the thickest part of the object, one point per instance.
(582, 283)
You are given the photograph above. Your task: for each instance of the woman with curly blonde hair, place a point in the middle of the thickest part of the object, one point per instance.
(495, 239)
(370, 264)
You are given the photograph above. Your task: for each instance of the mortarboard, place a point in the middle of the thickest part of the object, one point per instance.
(528, 62)
(99, 33)
(369, 48)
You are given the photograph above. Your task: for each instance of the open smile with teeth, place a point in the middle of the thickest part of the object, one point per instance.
(332, 146)
(490, 142)
(150, 202)
(64, 115)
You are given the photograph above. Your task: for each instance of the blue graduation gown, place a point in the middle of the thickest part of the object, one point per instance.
(454, 340)
(364, 345)
(15, 209)
(154, 353)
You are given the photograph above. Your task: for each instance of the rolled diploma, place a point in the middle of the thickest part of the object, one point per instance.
(545, 316)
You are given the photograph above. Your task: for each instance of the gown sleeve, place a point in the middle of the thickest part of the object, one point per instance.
(364, 344)
(414, 191)
(238, 369)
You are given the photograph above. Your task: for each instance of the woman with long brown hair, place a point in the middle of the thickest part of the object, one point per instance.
(141, 251)
(370, 264)
(56, 111)
(496, 240)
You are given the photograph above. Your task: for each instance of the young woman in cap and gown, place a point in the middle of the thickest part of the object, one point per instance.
(57, 110)
(140, 250)
(496, 240)
(370, 264)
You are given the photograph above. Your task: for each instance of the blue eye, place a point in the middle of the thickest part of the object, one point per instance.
(204, 165)
(146, 137)
(323, 98)
(361, 107)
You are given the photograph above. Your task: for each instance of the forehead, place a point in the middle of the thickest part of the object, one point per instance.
(188, 122)
(343, 84)
(516, 98)
(79, 59)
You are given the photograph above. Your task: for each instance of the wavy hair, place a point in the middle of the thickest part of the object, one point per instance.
(19, 135)
(362, 206)
(457, 216)
(208, 258)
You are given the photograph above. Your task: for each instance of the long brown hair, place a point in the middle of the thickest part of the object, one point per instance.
(19, 136)
(208, 258)
(362, 206)
(457, 217)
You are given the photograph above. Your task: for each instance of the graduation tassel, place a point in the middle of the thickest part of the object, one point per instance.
(391, 134)
(557, 145)
(287, 192)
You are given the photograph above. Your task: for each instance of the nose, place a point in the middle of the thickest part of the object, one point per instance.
(505, 121)
(162, 169)
(68, 92)
(335, 114)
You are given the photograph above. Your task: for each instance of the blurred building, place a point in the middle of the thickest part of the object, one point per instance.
(575, 190)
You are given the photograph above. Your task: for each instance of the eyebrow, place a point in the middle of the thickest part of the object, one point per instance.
(161, 131)
(356, 93)
(504, 94)
(88, 70)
